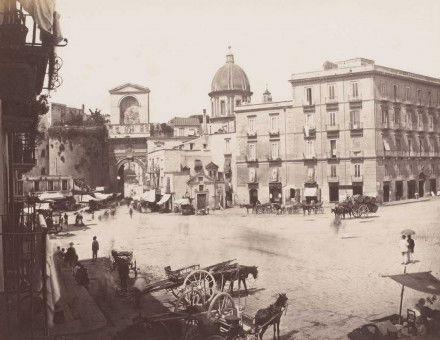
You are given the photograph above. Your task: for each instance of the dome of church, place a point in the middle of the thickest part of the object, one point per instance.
(230, 77)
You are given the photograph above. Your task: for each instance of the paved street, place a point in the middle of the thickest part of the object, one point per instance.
(334, 284)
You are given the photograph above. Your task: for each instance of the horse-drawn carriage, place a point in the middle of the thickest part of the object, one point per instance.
(356, 206)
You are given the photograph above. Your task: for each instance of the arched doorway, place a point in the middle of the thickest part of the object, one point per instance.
(129, 110)
(130, 178)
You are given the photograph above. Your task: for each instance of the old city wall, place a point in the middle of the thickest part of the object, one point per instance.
(80, 152)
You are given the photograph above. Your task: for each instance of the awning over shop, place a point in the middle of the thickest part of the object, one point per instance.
(100, 196)
(311, 192)
(51, 196)
(164, 199)
(422, 282)
(149, 196)
(182, 201)
(85, 198)
(42, 206)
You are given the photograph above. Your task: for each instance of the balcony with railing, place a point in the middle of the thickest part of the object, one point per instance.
(309, 131)
(274, 133)
(252, 134)
(357, 178)
(251, 159)
(387, 125)
(128, 130)
(333, 100)
(356, 154)
(309, 156)
(332, 127)
(23, 152)
(332, 154)
(356, 126)
(354, 97)
(333, 178)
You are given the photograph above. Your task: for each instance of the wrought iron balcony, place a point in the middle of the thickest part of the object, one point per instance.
(329, 100)
(356, 126)
(128, 130)
(274, 133)
(355, 98)
(333, 154)
(252, 134)
(332, 127)
(274, 159)
(309, 156)
(357, 178)
(332, 178)
(309, 131)
(357, 154)
(23, 154)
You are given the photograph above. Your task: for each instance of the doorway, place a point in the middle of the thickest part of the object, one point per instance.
(358, 189)
(421, 188)
(399, 190)
(275, 195)
(386, 192)
(334, 192)
(433, 186)
(411, 188)
(253, 196)
(201, 201)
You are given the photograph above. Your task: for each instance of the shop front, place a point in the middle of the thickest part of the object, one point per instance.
(275, 193)
(312, 193)
(399, 190)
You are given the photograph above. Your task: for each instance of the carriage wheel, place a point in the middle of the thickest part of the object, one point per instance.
(175, 291)
(189, 298)
(363, 210)
(202, 281)
(221, 306)
(356, 212)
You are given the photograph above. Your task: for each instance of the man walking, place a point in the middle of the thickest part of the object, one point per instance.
(95, 248)
(411, 245)
(403, 245)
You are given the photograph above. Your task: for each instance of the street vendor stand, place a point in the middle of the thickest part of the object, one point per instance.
(422, 281)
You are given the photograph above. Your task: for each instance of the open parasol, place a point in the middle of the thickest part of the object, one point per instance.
(408, 232)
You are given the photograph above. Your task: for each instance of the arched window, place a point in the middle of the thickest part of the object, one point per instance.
(129, 110)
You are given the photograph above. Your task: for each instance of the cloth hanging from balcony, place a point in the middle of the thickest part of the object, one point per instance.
(42, 11)
(386, 145)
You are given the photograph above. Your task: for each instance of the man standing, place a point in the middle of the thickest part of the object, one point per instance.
(123, 271)
(138, 289)
(95, 248)
(411, 245)
(403, 245)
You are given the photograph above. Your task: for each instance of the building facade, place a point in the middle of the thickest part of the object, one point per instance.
(371, 129)
(61, 114)
(186, 127)
(263, 152)
(128, 132)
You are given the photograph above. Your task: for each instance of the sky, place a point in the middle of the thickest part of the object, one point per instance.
(174, 47)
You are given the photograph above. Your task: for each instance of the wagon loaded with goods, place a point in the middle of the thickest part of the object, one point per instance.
(356, 206)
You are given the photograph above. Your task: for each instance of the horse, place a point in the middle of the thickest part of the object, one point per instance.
(247, 207)
(240, 273)
(271, 316)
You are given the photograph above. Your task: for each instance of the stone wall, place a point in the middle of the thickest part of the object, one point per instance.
(80, 152)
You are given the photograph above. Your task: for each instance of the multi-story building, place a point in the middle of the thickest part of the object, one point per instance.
(353, 127)
(263, 151)
(27, 47)
(61, 114)
(38, 185)
(186, 127)
(376, 129)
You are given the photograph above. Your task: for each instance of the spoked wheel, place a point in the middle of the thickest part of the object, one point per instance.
(188, 299)
(356, 213)
(202, 281)
(221, 306)
(363, 210)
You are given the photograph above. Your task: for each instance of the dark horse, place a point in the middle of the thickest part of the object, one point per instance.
(235, 273)
(271, 316)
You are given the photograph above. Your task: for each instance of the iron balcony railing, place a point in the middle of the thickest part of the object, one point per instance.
(23, 153)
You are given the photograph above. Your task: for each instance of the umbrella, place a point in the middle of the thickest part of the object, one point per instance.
(408, 232)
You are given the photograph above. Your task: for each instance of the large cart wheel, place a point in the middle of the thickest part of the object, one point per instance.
(221, 306)
(363, 210)
(189, 298)
(356, 212)
(202, 281)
